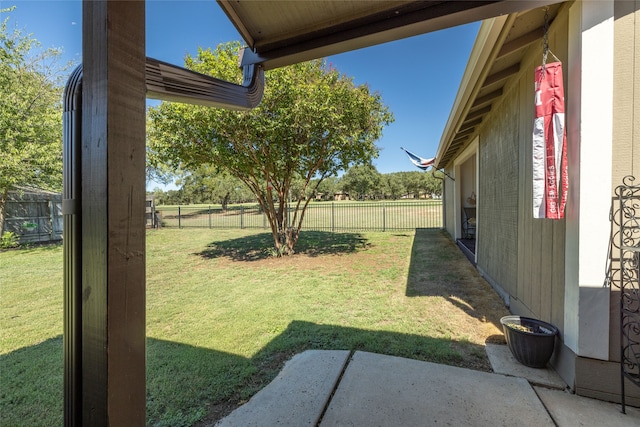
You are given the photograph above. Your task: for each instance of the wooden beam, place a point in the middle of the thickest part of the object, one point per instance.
(478, 113)
(521, 42)
(461, 133)
(470, 124)
(458, 142)
(501, 75)
(487, 98)
(113, 208)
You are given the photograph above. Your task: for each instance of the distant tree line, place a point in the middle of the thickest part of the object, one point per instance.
(205, 186)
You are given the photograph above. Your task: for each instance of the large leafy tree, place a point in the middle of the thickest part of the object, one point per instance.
(312, 123)
(432, 182)
(207, 185)
(327, 188)
(31, 82)
(393, 186)
(362, 181)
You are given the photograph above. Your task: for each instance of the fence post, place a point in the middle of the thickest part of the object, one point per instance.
(384, 217)
(241, 217)
(333, 216)
(264, 219)
(209, 216)
(51, 218)
(179, 218)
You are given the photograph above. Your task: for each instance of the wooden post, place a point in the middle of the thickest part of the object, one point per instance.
(113, 213)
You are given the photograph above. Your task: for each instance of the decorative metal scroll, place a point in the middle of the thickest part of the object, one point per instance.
(624, 273)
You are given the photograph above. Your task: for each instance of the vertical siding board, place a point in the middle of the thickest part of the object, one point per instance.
(625, 89)
(499, 192)
(535, 267)
(635, 120)
(532, 285)
(547, 263)
(557, 291)
(524, 244)
(560, 45)
(448, 205)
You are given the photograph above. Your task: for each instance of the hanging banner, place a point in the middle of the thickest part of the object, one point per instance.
(550, 180)
(423, 164)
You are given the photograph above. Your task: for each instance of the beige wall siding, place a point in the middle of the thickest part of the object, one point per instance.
(626, 123)
(626, 95)
(449, 204)
(498, 193)
(526, 256)
(523, 255)
(541, 242)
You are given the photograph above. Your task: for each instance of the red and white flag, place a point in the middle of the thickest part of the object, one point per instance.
(550, 180)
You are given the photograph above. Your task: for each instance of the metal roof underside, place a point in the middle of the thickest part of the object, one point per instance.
(473, 103)
(285, 32)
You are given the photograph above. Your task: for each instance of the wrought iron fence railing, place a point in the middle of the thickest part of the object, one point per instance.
(326, 216)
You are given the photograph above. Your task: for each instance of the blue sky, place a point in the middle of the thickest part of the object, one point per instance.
(417, 77)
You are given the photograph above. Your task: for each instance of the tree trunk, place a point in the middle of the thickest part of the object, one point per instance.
(225, 201)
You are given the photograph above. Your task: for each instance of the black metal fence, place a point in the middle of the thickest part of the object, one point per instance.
(327, 216)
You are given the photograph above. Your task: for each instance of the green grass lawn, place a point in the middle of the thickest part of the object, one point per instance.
(223, 317)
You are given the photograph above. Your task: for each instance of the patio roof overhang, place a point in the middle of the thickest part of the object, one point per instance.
(281, 33)
(496, 56)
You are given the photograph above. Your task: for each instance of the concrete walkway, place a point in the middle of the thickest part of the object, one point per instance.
(337, 388)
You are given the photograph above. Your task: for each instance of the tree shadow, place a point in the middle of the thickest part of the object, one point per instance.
(257, 247)
(439, 268)
(32, 385)
(190, 385)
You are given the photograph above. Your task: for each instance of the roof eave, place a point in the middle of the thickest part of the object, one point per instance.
(482, 55)
(309, 46)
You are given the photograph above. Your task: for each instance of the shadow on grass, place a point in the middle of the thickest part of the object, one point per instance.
(31, 385)
(188, 385)
(215, 383)
(311, 243)
(439, 268)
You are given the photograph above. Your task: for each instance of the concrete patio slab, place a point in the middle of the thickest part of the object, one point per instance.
(503, 362)
(567, 409)
(297, 396)
(378, 390)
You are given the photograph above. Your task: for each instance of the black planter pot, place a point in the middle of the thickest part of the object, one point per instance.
(531, 348)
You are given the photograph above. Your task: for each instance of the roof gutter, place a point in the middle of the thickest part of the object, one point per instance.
(491, 35)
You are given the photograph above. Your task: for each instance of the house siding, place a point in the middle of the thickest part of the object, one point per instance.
(541, 242)
(527, 257)
(497, 251)
(626, 122)
(522, 255)
(626, 91)
(449, 204)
